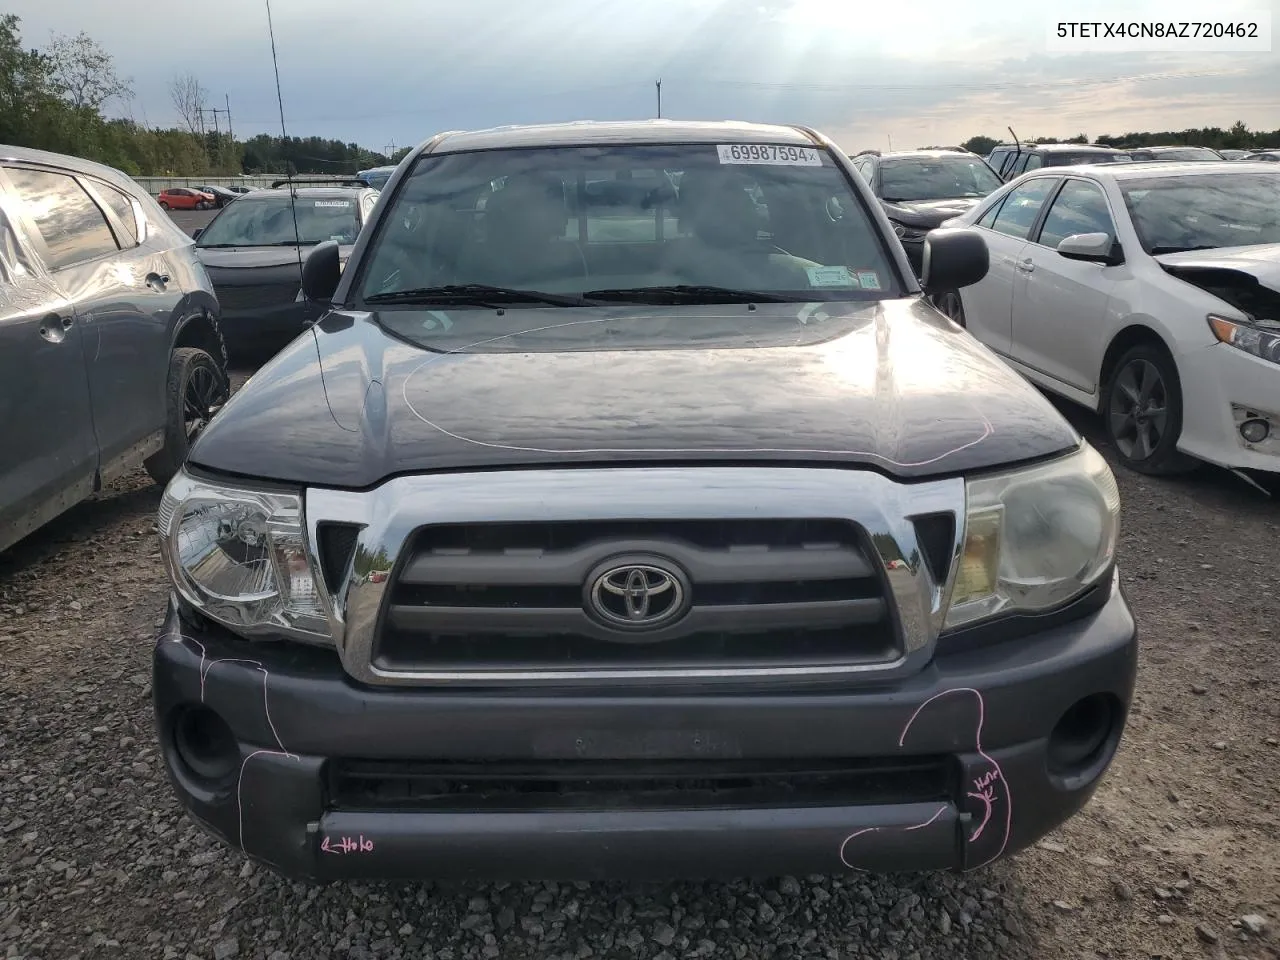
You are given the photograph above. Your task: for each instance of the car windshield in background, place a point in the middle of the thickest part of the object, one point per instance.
(688, 223)
(1204, 212)
(936, 179)
(1187, 153)
(268, 222)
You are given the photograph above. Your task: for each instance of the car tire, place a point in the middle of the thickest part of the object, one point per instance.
(164, 205)
(196, 388)
(1142, 411)
(949, 304)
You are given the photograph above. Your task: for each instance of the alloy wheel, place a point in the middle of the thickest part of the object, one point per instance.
(1139, 410)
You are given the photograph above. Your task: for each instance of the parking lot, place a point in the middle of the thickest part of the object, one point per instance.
(1175, 857)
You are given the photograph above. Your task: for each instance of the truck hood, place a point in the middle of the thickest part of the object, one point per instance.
(890, 385)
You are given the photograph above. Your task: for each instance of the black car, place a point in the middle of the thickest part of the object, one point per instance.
(254, 257)
(1175, 153)
(606, 534)
(919, 189)
(223, 195)
(1012, 159)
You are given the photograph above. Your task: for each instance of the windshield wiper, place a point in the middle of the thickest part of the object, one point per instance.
(475, 294)
(687, 293)
(1156, 251)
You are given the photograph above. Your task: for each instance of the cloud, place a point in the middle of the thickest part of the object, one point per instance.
(931, 72)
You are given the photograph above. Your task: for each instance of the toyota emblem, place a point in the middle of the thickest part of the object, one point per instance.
(640, 595)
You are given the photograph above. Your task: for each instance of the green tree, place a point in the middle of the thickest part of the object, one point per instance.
(84, 74)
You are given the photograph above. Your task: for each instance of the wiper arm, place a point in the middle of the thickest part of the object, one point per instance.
(687, 293)
(476, 294)
(1156, 251)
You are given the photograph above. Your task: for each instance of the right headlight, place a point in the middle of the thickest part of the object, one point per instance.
(241, 557)
(1035, 538)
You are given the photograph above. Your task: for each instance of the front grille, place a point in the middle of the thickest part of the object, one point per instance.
(516, 596)
(633, 784)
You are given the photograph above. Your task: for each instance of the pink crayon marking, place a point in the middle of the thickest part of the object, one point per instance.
(858, 833)
(345, 845)
(994, 774)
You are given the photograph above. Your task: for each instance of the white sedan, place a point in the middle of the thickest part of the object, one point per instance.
(1148, 292)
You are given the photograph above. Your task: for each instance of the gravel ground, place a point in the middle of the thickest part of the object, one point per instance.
(1178, 855)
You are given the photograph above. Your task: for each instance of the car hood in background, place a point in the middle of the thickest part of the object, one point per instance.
(929, 213)
(1261, 262)
(233, 258)
(891, 386)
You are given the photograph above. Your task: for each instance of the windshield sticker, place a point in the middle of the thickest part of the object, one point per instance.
(868, 280)
(830, 277)
(769, 153)
(333, 203)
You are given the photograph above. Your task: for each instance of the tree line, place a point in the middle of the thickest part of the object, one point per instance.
(54, 99)
(1236, 137)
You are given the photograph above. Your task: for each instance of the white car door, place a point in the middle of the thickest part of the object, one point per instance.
(988, 304)
(1060, 305)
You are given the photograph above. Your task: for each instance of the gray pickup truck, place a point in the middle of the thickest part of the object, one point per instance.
(110, 353)
(659, 530)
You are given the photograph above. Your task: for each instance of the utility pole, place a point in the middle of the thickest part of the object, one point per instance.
(659, 86)
(890, 136)
(390, 150)
(230, 136)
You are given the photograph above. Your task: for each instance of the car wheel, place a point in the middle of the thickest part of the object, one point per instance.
(164, 205)
(1142, 407)
(949, 303)
(196, 389)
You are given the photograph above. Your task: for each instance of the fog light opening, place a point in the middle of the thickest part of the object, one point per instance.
(1082, 742)
(205, 745)
(1255, 430)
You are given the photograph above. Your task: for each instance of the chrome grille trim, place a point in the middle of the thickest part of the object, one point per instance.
(392, 512)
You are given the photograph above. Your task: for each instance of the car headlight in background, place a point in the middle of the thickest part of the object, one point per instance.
(240, 557)
(905, 232)
(1035, 538)
(1260, 338)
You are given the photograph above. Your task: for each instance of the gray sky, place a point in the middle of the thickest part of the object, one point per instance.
(918, 72)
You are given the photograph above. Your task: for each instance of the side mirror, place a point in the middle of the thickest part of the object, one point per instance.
(195, 234)
(321, 271)
(954, 257)
(1091, 248)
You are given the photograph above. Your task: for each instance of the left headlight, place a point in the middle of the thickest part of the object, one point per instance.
(240, 557)
(1035, 538)
(1260, 338)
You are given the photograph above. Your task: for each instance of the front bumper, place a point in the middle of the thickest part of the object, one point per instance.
(985, 713)
(1217, 381)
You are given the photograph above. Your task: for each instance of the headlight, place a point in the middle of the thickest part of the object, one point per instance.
(1260, 338)
(907, 233)
(240, 557)
(1035, 538)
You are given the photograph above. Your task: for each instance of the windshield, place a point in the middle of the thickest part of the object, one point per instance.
(268, 222)
(1204, 212)
(936, 179)
(629, 223)
(1071, 158)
